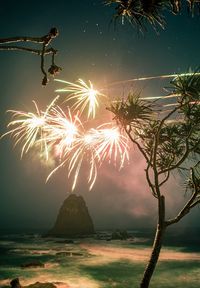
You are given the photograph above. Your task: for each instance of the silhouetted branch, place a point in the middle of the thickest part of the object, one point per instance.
(165, 179)
(147, 160)
(44, 51)
(31, 50)
(192, 202)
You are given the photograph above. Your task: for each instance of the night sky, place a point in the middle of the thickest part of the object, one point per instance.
(89, 48)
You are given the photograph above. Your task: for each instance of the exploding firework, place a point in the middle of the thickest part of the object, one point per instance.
(63, 133)
(85, 96)
(28, 128)
(98, 145)
(109, 144)
(62, 129)
(94, 147)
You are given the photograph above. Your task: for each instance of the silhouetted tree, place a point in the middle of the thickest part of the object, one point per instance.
(141, 12)
(168, 139)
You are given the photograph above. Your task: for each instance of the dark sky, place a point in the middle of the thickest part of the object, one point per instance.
(89, 48)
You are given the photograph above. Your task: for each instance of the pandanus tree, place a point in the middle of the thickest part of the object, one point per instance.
(168, 137)
(141, 12)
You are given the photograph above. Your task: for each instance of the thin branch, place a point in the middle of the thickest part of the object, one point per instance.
(189, 205)
(31, 50)
(195, 203)
(149, 181)
(180, 161)
(154, 156)
(183, 158)
(147, 160)
(44, 39)
(165, 180)
(137, 144)
(22, 39)
(148, 177)
(45, 80)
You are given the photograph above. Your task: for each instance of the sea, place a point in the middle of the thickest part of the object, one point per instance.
(33, 258)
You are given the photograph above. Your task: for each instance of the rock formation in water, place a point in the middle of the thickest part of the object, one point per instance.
(15, 283)
(73, 219)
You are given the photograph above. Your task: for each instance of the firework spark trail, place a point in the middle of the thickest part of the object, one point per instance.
(161, 97)
(151, 78)
(62, 128)
(85, 96)
(94, 147)
(110, 144)
(74, 156)
(28, 128)
(65, 133)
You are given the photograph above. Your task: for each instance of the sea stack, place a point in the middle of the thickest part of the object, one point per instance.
(73, 219)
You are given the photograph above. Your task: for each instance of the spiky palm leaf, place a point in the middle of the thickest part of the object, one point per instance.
(139, 12)
(193, 4)
(188, 86)
(131, 111)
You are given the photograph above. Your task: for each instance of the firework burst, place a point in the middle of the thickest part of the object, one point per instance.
(62, 129)
(85, 96)
(28, 128)
(109, 144)
(74, 148)
(61, 133)
(93, 147)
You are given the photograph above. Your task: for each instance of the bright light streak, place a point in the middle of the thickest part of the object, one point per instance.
(152, 78)
(85, 96)
(161, 97)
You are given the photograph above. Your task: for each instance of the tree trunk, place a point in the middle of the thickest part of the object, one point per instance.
(157, 245)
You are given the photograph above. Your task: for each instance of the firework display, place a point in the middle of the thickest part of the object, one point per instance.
(62, 131)
(65, 130)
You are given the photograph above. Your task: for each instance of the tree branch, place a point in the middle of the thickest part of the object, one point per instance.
(189, 205)
(22, 39)
(195, 203)
(180, 161)
(31, 50)
(137, 144)
(155, 149)
(146, 158)
(165, 180)
(184, 156)
(45, 41)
